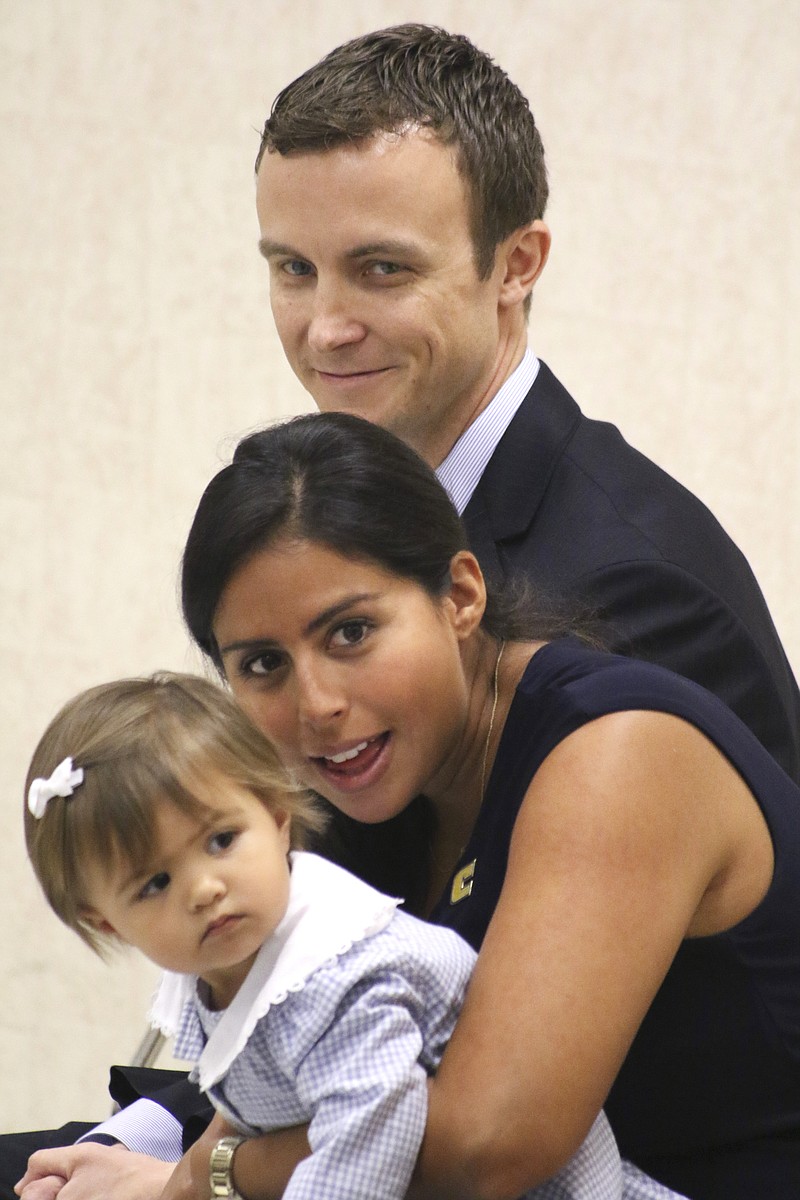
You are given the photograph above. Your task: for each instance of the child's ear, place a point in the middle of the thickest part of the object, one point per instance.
(284, 822)
(90, 916)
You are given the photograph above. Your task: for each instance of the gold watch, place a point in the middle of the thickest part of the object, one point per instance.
(219, 1169)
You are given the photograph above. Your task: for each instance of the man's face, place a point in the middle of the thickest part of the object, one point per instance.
(374, 289)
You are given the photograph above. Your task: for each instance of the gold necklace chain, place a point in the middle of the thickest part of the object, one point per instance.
(491, 718)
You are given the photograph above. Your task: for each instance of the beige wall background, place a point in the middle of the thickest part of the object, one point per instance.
(137, 344)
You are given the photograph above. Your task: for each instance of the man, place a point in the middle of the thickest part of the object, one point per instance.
(401, 188)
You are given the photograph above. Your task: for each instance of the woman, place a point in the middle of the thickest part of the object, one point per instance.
(619, 847)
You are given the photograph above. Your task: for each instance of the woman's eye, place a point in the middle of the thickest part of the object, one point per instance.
(266, 663)
(154, 886)
(221, 841)
(350, 633)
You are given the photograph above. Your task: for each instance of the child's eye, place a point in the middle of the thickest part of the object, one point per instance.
(221, 841)
(154, 886)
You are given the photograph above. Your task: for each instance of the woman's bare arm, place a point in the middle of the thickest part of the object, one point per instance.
(635, 833)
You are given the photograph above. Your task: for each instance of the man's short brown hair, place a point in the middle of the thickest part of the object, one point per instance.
(419, 76)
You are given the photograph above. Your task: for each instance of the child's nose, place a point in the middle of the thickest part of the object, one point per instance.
(206, 890)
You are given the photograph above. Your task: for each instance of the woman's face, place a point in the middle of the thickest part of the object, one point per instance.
(356, 674)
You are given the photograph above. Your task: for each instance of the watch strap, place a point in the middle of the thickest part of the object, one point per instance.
(220, 1167)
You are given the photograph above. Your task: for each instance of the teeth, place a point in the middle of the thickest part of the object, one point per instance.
(346, 755)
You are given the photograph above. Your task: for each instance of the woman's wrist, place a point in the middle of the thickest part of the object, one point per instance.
(263, 1166)
(220, 1168)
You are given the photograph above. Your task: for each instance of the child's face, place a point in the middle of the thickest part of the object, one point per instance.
(215, 890)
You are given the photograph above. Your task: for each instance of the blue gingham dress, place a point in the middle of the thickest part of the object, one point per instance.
(342, 1018)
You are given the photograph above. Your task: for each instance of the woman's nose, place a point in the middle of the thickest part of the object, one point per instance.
(320, 697)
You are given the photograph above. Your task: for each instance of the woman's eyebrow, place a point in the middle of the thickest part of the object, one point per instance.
(336, 610)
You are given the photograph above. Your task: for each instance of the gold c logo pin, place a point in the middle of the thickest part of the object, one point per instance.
(462, 884)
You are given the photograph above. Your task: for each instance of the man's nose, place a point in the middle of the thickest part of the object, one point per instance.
(334, 319)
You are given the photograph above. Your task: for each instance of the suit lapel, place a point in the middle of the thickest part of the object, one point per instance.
(481, 537)
(510, 491)
(511, 488)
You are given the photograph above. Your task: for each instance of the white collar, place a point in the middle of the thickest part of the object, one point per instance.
(463, 467)
(329, 911)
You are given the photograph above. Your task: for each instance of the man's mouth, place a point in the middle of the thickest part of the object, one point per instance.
(347, 377)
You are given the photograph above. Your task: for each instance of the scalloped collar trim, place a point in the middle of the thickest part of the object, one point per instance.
(329, 911)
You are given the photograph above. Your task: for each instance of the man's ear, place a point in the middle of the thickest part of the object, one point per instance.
(466, 598)
(523, 256)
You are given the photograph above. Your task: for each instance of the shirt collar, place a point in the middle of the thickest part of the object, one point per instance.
(462, 468)
(329, 911)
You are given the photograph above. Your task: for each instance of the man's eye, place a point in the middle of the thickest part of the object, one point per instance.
(384, 268)
(154, 886)
(297, 267)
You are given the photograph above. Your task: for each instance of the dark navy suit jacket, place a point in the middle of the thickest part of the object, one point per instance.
(567, 503)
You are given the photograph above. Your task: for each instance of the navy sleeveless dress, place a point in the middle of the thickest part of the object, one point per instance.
(708, 1099)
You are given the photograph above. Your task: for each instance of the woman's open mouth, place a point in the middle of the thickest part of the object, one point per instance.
(357, 765)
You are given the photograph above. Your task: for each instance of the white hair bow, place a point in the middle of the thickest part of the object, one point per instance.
(62, 782)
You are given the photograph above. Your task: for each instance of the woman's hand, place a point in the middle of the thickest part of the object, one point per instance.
(190, 1179)
(88, 1171)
